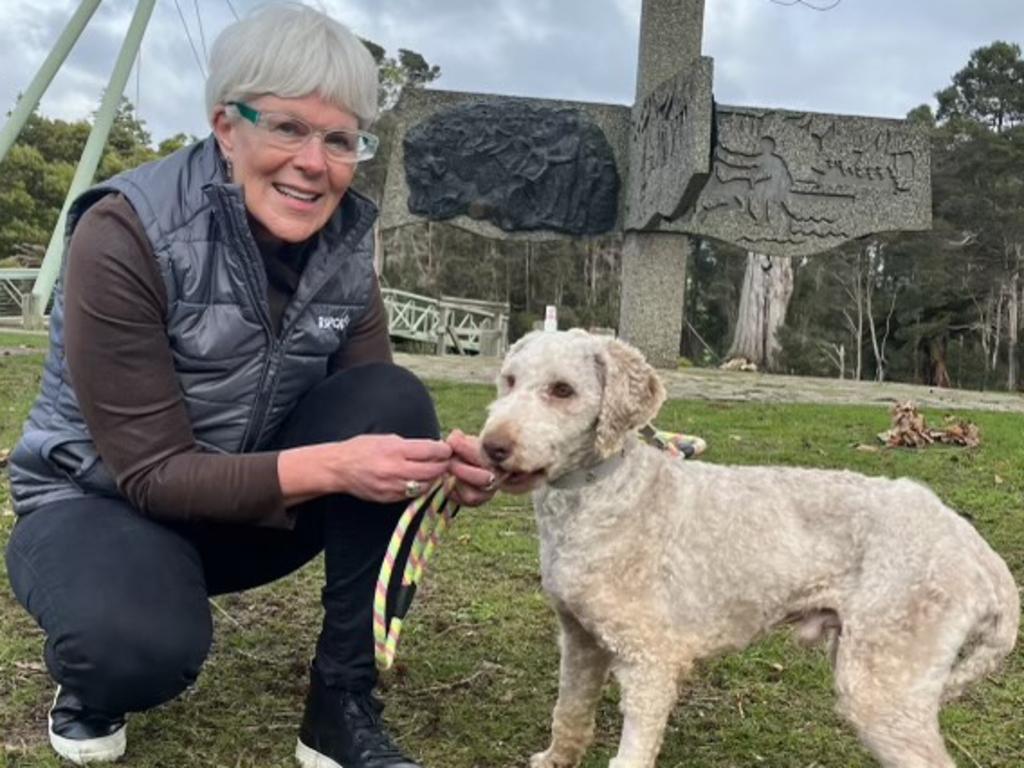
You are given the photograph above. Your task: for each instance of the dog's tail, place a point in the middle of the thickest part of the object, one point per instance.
(991, 638)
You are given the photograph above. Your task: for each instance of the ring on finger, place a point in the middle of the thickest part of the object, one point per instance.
(413, 488)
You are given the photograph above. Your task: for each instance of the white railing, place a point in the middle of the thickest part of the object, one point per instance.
(15, 282)
(450, 324)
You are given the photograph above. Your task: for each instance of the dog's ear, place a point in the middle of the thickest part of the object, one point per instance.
(633, 394)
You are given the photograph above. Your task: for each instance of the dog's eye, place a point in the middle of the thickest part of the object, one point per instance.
(561, 390)
(510, 381)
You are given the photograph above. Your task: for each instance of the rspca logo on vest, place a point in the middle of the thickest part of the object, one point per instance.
(332, 323)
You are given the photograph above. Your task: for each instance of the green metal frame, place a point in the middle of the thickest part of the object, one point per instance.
(34, 303)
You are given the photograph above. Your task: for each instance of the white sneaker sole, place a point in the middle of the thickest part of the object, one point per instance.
(105, 749)
(310, 758)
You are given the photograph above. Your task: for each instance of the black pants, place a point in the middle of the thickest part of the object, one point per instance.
(123, 598)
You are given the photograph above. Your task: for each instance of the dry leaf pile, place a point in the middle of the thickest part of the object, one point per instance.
(909, 430)
(738, 364)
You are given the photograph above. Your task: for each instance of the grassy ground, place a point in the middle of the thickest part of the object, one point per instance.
(477, 669)
(19, 341)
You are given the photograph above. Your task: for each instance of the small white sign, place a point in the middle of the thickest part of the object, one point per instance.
(550, 318)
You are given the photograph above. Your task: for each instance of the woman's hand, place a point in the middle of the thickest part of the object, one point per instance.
(477, 482)
(380, 468)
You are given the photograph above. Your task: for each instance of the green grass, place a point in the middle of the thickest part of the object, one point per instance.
(477, 669)
(23, 340)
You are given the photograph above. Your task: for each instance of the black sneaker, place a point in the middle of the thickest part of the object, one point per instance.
(344, 729)
(82, 735)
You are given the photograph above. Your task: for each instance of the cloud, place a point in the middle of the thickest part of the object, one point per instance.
(876, 57)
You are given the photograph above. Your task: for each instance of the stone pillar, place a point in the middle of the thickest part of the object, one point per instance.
(653, 284)
(670, 38)
(654, 265)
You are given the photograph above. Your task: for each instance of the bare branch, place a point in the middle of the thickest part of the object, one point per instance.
(967, 238)
(812, 6)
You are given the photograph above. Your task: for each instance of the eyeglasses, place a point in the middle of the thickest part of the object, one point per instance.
(290, 133)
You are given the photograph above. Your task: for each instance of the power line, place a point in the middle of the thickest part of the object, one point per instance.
(188, 34)
(202, 35)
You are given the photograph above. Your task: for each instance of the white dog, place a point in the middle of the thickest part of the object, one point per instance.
(653, 563)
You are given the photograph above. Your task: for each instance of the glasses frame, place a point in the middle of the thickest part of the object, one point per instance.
(367, 142)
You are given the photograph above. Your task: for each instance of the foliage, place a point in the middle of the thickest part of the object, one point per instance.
(407, 69)
(581, 277)
(989, 90)
(39, 167)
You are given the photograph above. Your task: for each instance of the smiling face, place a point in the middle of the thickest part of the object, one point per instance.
(290, 194)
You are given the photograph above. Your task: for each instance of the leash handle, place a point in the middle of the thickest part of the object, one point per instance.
(432, 523)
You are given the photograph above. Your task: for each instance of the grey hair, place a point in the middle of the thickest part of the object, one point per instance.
(292, 50)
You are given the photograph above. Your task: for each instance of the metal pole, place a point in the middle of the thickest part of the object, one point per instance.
(35, 303)
(30, 98)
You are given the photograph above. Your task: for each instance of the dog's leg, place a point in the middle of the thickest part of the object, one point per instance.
(584, 668)
(649, 690)
(889, 689)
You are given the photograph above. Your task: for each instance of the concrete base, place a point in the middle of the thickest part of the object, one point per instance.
(32, 313)
(653, 289)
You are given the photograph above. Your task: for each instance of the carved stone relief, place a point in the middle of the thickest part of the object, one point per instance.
(670, 147)
(790, 183)
(518, 165)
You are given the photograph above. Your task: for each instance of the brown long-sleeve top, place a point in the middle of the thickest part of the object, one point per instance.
(123, 374)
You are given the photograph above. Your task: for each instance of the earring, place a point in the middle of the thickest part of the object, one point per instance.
(229, 168)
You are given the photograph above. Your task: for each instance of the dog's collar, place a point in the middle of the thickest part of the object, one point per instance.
(578, 478)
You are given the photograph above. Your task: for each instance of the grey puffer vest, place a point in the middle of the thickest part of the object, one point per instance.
(239, 380)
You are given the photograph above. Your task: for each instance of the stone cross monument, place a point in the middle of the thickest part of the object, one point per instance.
(673, 165)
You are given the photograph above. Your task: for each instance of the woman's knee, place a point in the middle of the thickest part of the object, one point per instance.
(402, 403)
(377, 398)
(123, 661)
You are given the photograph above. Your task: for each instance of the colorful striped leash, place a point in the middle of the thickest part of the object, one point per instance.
(674, 443)
(434, 511)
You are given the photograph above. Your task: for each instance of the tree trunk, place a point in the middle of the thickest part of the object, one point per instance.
(938, 372)
(1012, 331)
(378, 250)
(985, 313)
(879, 346)
(764, 299)
(998, 334)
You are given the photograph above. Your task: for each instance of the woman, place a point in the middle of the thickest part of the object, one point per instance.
(219, 403)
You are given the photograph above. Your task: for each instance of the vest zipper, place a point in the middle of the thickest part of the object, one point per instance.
(254, 425)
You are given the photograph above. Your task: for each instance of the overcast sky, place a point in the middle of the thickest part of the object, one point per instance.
(870, 57)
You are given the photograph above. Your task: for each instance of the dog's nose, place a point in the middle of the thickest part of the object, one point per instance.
(497, 450)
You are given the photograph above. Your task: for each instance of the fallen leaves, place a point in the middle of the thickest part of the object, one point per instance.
(910, 430)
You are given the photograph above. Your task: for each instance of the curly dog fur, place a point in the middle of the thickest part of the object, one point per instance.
(652, 563)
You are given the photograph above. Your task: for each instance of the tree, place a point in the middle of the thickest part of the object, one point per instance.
(408, 70)
(764, 299)
(989, 90)
(38, 169)
(979, 155)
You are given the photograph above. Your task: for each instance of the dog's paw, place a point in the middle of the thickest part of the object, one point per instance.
(547, 759)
